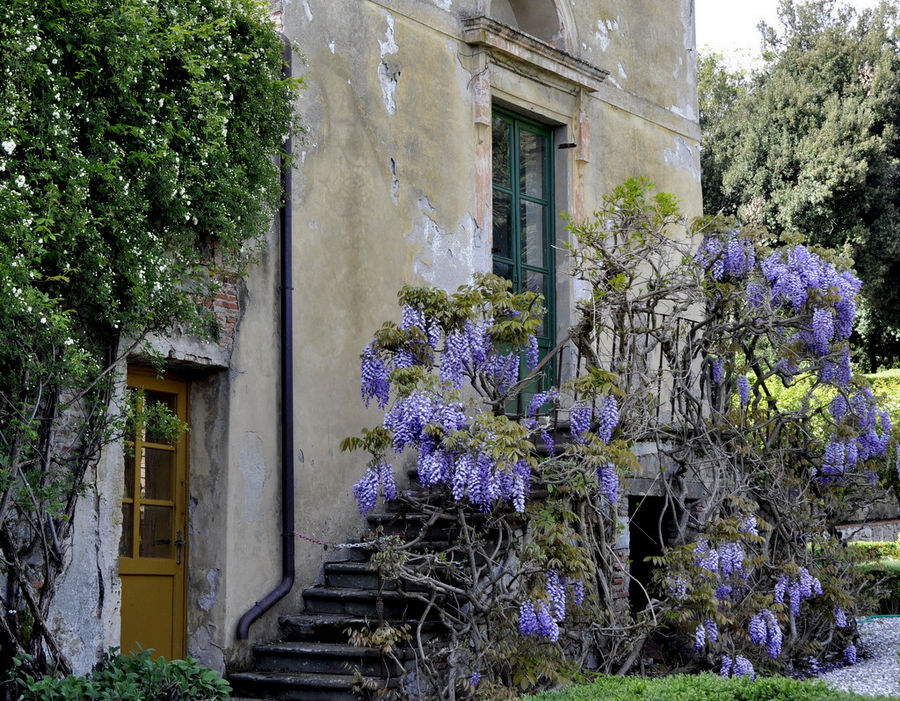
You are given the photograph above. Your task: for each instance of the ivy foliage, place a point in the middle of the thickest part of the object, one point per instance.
(138, 169)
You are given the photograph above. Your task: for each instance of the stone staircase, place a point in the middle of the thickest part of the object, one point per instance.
(314, 661)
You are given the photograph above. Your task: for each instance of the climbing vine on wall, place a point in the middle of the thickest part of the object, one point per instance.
(138, 146)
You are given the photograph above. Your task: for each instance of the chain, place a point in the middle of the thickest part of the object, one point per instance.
(336, 546)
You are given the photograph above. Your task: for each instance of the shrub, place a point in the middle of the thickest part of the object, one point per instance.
(130, 678)
(883, 585)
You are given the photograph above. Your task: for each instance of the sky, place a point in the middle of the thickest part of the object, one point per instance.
(729, 26)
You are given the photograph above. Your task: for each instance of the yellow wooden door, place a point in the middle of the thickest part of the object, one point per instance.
(153, 547)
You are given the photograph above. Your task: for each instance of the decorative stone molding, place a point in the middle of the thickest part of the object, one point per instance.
(503, 41)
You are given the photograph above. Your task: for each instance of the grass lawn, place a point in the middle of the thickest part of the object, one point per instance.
(701, 687)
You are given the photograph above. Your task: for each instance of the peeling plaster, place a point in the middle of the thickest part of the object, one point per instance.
(622, 74)
(444, 4)
(395, 182)
(331, 46)
(307, 10)
(444, 258)
(388, 74)
(208, 600)
(683, 158)
(604, 28)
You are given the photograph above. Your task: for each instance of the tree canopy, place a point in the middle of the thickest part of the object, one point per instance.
(809, 145)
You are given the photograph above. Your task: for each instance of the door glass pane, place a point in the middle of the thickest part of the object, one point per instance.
(502, 225)
(500, 140)
(533, 234)
(156, 531)
(537, 282)
(125, 541)
(129, 471)
(157, 398)
(157, 471)
(531, 163)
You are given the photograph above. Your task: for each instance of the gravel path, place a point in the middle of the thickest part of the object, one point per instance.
(879, 672)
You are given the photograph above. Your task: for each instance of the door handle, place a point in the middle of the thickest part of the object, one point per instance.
(179, 543)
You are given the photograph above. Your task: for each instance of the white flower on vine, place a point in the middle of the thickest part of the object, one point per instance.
(9, 146)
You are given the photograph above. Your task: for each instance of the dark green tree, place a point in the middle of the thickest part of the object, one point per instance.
(810, 145)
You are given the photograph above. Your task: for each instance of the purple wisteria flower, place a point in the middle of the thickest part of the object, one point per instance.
(678, 588)
(528, 624)
(743, 667)
(706, 558)
(577, 592)
(532, 353)
(732, 255)
(731, 558)
(608, 479)
(475, 679)
(579, 420)
(608, 418)
(744, 390)
(541, 398)
(781, 588)
(718, 370)
(750, 525)
(723, 591)
(557, 591)
(547, 627)
(699, 637)
(374, 382)
(712, 630)
(366, 491)
(850, 654)
(764, 630)
(466, 351)
(840, 618)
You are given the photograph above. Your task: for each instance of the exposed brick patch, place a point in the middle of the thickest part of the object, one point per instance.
(227, 310)
(276, 14)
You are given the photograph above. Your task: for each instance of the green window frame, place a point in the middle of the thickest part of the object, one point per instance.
(523, 213)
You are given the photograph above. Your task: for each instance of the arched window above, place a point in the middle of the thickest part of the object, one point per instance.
(535, 17)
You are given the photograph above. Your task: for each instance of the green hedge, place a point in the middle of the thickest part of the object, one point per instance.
(876, 550)
(884, 586)
(701, 687)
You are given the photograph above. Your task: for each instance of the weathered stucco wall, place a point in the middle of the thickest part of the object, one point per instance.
(392, 187)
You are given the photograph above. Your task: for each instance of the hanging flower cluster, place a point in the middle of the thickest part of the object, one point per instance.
(543, 619)
(429, 419)
(764, 630)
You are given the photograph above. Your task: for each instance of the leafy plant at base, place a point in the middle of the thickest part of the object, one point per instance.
(134, 677)
(137, 172)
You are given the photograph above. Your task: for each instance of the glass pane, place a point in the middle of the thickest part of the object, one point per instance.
(504, 270)
(537, 282)
(531, 163)
(125, 540)
(500, 140)
(158, 398)
(156, 531)
(157, 470)
(129, 471)
(502, 245)
(533, 234)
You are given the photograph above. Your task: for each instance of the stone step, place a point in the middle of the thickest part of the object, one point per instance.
(328, 658)
(332, 627)
(288, 686)
(354, 575)
(360, 602)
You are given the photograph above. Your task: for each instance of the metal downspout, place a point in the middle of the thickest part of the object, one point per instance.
(287, 392)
